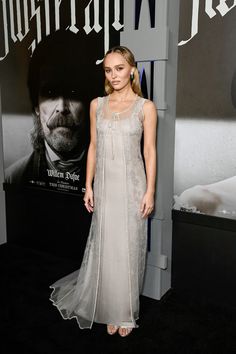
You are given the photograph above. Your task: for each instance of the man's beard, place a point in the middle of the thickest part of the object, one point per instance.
(63, 140)
(67, 140)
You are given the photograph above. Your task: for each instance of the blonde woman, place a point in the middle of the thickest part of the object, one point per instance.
(120, 192)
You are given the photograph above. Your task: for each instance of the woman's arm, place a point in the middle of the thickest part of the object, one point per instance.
(150, 155)
(91, 157)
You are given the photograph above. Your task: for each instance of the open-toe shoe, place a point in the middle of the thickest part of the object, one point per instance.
(112, 329)
(125, 331)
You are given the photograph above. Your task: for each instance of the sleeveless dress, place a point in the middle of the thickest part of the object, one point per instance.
(107, 286)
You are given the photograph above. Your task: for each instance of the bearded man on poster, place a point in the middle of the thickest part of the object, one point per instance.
(60, 91)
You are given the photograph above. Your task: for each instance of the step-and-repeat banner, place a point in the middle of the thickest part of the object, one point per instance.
(205, 160)
(51, 56)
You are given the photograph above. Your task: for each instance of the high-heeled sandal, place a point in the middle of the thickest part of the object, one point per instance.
(112, 329)
(125, 333)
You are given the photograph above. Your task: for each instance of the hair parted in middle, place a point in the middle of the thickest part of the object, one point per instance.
(129, 57)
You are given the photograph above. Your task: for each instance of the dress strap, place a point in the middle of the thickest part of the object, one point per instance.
(100, 105)
(139, 108)
(100, 102)
(142, 104)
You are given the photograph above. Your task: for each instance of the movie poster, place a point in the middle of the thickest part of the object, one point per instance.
(205, 160)
(51, 56)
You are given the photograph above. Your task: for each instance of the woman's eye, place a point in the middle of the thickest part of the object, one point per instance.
(107, 71)
(119, 69)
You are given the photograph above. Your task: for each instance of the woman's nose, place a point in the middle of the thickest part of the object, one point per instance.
(113, 74)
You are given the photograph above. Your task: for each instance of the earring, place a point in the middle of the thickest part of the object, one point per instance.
(131, 75)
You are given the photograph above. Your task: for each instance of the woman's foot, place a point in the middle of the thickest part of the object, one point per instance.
(111, 329)
(125, 331)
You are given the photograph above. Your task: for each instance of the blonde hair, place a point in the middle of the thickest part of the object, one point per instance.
(129, 57)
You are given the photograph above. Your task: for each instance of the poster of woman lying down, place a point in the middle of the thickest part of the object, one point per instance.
(205, 145)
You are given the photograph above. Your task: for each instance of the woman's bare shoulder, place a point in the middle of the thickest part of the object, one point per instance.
(149, 106)
(94, 103)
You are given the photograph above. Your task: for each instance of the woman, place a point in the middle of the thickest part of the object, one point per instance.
(106, 288)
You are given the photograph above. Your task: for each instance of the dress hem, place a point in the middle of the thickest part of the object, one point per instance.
(76, 317)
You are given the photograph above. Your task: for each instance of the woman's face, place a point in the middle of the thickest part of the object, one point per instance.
(117, 71)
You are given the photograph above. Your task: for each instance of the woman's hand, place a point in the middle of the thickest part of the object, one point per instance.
(147, 205)
(88, 199)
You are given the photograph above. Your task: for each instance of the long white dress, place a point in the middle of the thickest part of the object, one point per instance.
(107, 286)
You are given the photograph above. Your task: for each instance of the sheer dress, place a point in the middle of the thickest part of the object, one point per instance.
(107, 286)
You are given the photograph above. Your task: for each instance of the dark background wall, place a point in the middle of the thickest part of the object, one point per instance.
(207, 63)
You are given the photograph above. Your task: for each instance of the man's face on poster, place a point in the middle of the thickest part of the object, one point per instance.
(61, 111)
